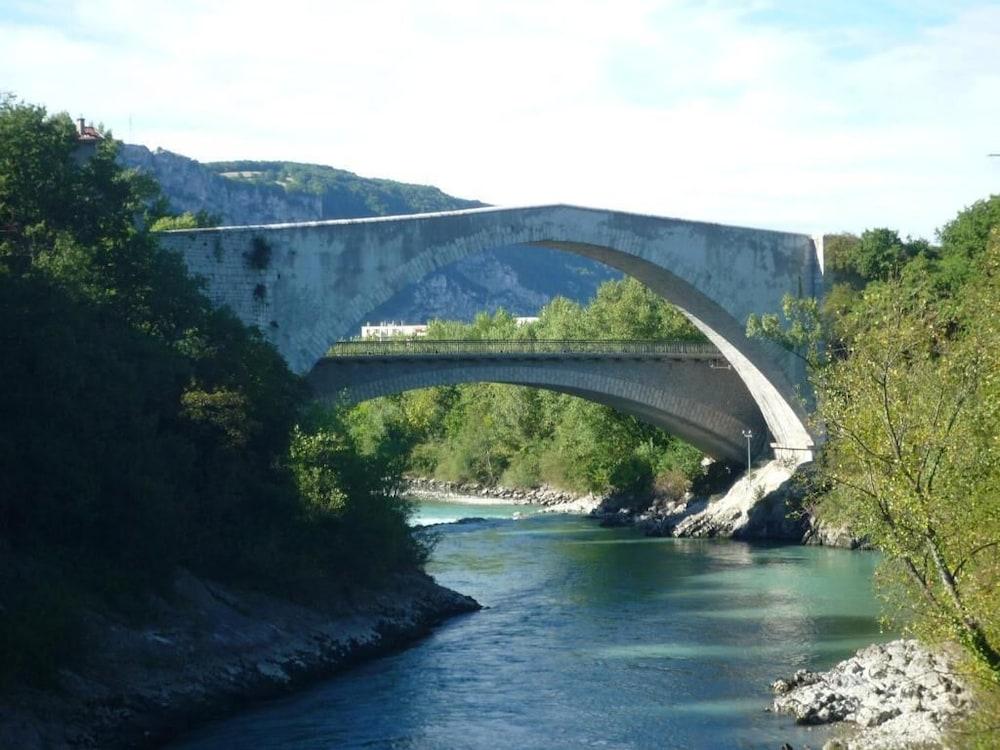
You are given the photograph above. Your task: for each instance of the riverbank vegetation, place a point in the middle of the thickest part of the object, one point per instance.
(523, 437)
(909, 395)
(144, 431)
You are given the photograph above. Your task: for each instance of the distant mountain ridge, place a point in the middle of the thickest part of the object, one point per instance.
(518, 278)
(343, 195)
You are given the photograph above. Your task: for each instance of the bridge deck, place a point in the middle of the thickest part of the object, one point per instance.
(528, 349)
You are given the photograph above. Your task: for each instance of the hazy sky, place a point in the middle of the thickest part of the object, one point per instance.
(844, 115)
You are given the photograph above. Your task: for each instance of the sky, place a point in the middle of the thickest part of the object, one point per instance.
(802, 116)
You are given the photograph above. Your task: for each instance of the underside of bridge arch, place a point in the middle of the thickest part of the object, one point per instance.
(717, 441)
(709, 408)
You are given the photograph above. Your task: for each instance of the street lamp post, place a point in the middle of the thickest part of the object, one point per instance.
(748, 434)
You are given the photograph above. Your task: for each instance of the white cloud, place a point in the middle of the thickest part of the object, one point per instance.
(685, 109)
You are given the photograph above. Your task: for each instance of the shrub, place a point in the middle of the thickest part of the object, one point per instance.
(524, 469)
(671, 485)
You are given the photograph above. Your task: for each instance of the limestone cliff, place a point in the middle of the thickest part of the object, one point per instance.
(520, 279)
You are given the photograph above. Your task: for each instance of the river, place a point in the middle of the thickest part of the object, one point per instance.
(592, 637)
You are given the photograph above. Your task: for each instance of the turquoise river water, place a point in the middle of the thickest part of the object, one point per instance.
(592, 637)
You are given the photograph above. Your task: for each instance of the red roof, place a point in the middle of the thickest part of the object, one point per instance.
(87, 133)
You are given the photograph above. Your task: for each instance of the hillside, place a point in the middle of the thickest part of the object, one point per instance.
(518, 278)
(342, 194)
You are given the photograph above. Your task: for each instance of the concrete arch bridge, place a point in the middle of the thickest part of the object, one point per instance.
(688, 389)
(309, 285)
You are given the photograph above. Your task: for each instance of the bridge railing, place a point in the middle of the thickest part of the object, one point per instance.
(413, 347)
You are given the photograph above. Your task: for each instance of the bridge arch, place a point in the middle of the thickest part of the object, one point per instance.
(705, 405)
(322, 278)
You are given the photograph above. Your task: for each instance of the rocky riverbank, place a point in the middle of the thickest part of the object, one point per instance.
(898, 695)
(549, 498)
(209, 651)
(767, 503)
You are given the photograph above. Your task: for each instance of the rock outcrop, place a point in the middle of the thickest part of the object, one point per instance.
(900, 695)
(768, 504)
(191, 186)
(755, 507)
(208, 651)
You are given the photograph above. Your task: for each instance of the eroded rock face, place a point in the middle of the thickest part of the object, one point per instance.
(900, 694)
(766, 504)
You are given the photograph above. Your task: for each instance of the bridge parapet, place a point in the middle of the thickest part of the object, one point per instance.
(537, 348)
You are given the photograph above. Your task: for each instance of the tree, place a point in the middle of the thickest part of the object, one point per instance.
(878, 254)
(912, 417)
(186, 220)
(800, 330)
(628, 309)
(524, 436)
(968, 233)
(911, 408)
(143, 429)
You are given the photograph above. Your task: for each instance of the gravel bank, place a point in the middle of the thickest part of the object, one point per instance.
(548, 498)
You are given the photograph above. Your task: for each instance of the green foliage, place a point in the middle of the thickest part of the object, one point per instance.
(979, 730)
(186, 220)
(621, 309)
(912, 455)
(628, 309)
(672, 484)
(881, 254)
(800, 331)
(838, 255)
(351, 504)
(963, 240)
(524, 469)
(484, 327)
(143, 430)
(878, 255)
(968, 233)
(911, 408)
(524, 437)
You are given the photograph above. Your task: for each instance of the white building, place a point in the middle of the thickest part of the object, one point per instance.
(392, 330)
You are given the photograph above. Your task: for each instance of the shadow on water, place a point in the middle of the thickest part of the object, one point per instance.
(593, 637)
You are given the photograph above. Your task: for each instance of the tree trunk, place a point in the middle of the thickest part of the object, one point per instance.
(975, 638)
